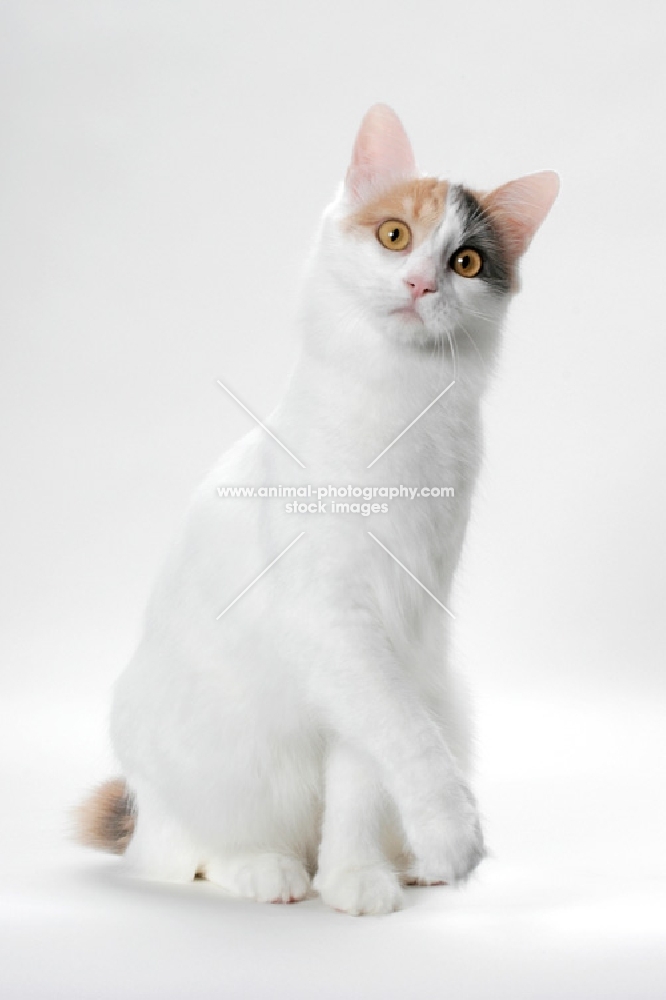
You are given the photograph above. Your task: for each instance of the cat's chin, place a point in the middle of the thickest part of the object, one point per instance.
(407, 329)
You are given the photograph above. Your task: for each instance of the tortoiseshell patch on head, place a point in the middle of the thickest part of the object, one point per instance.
(420, 203)
(481, 232)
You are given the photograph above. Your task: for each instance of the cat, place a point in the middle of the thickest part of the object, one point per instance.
(290, 722)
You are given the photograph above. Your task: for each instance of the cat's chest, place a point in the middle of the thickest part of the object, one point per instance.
(411, 417)
(427, 440)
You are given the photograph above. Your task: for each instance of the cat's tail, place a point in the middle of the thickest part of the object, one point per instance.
(106, 819)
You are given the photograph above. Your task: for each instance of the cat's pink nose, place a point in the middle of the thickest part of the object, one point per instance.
(420, 285)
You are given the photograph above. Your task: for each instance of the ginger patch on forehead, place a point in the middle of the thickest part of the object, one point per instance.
(420, 203)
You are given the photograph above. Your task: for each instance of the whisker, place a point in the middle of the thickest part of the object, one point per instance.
(473, 343)
(478, 313)
(454, 356)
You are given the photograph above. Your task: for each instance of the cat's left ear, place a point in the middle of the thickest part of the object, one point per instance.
(520, 207)
(382, 155)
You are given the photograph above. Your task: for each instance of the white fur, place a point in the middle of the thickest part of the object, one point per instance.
(316, 726)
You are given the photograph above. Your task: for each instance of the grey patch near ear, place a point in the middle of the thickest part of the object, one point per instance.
(480, 233)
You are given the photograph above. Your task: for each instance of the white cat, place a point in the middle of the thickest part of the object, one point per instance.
(312, 726)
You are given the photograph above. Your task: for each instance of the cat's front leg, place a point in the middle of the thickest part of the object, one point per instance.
(353, 873)
(371, 703)
(446, 850)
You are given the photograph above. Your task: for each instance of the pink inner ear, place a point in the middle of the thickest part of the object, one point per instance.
(382, 154)
(520, 207)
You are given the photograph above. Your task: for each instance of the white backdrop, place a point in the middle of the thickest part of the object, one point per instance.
(163, 167)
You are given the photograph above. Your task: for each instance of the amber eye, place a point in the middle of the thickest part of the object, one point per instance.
(394, 234)
(466, 262)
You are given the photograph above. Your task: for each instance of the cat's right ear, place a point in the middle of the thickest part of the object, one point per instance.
(520, 207)
(382, 155)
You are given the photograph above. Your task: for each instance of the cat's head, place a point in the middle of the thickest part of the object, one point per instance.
(419, 257)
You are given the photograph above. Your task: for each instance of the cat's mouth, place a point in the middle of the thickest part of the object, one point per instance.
(408, 310)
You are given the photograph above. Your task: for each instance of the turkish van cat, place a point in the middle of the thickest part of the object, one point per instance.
(290, 721)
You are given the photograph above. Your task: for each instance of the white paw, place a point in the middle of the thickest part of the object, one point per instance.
(266, 877)
(368, 890)
(448, 849)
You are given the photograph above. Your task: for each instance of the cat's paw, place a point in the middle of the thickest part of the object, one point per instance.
(267, 877)
(447, 850)
(368, 890)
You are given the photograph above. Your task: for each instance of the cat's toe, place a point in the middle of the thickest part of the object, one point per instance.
(267, 877)
(405, 865)
(370, 890)
(422, 880)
